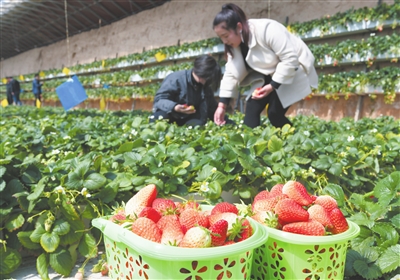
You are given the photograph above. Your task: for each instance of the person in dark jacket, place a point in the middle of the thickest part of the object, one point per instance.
(13, 91)
(37, 89)
(186, 97)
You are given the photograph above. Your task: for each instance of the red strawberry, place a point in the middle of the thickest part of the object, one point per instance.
(165, 220)
(261, 195)
(229, 242)
(246, 230)
(326, 201)
(276, 190)
(290, 211)
(146, 228)
(228, 216)
(319, 214)
(296, 191)
(191, 217)
(196, 237)
(150, 213)
(224, 207)
(218, 233)
(164, 206)
(119, 217)
(267, 204)
(172, 233)
(143, 198)
(339, 222)
(309, 227)
(104, 269)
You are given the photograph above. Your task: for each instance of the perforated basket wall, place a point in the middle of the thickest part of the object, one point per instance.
(132, 257)
(293, 256)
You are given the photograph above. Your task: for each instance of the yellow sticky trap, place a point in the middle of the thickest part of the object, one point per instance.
(38, 103)
(102, 104)
(4, 103)
(103, 63)
(42, 74)
(66, 71)
(266, 109)
(4, 81)
(160, 56)
(21, 78)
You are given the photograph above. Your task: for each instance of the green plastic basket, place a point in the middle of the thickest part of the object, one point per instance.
(293, 256)
(132, 257)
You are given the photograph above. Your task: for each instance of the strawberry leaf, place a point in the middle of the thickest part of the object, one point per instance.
(389, 261)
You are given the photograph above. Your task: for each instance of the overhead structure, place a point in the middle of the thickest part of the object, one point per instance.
(29, 24)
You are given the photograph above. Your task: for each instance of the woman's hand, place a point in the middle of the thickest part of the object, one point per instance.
(263, 92)
(185, 109)
(219, 115)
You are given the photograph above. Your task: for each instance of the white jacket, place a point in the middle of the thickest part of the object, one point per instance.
(272, 51)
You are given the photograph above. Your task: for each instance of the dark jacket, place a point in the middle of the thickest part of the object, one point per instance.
(36, 87)
(14, 86)
(180, 88)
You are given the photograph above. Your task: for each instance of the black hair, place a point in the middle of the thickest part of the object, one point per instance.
(207, 68)
(231, 15)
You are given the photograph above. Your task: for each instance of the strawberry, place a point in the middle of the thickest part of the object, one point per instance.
(339, 222)
(146, 228)
(218, 233)
(267, 204)
(164, 206)
(319, 214)
(180, 206)
(119, 217)
(228, 216)
(267, 218)
(276, 190)
(261, 195)
(191, 217)
(143, 198)
(290, 211)
(150, 213)
(167, 219)
(326, 201)
(246, 230)
(296, 191)
(104, 269)
(196, 237)
(229, 242)
(224, 207)
(172, 233)
(256, 92)
(309, 227)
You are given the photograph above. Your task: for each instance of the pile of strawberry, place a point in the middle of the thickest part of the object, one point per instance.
(291, 208)
(182, 224)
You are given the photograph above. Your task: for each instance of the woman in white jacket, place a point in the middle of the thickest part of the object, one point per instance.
(262, 53)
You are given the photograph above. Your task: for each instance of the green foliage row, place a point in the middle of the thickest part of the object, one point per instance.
(59, 170)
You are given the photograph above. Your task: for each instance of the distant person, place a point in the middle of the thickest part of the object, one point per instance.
(37, 89)
(186, 97)
(13, 91)
(264, 54)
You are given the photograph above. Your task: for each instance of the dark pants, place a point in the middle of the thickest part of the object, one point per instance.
(16, 99)
(276, 112)
(38, 96)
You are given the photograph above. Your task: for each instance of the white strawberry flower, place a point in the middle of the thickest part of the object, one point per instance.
(204, 187)
(134, 132)
(374, 130)
(214, 170)
(85, 192)
(160, 117)
(269, 170)
(306, 133)
(55, 152)
(59, 189)
(190, 127)
(350, 138)
(311, 170)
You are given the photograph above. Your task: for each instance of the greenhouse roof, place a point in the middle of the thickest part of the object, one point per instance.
(29, 24)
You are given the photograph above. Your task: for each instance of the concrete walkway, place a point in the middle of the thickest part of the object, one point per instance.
(27, 271)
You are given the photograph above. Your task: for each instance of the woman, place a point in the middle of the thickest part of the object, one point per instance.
(261, 52)
(187, 97)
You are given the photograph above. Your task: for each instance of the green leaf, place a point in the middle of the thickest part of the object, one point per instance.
(38, 189)
(126, 147)
(87, 246)
(387, 234)
(42, 265)
(61, 227)
(301, 160)
(37, 233)
(260, 146)
(367, 271)
(94, 181)
(387, 188)
(274, 144)
(389, 260)
(396, 221)
(336, 169)
(61, 262)
(351, 257)
(24, 238)
(15, 222)
(10, 260)
(214, 191)
(68, 209)
(75, 233)
(336, 192)
(49, 241)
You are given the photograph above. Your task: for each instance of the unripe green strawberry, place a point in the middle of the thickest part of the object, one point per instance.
(297, 192)
(196, 237)
(289, 211)
(309, 227)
